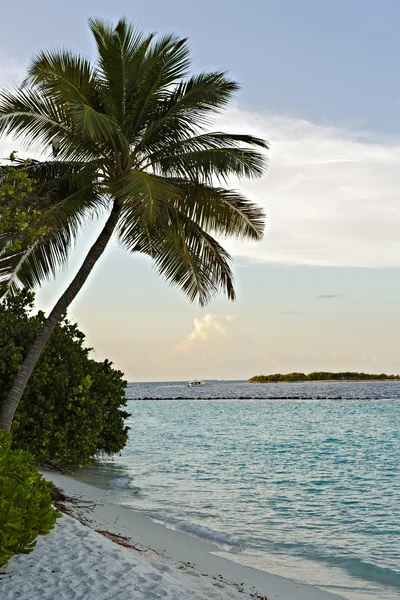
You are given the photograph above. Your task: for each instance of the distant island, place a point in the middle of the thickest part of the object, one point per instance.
(321, 376)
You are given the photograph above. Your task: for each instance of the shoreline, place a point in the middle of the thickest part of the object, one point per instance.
(176, 546)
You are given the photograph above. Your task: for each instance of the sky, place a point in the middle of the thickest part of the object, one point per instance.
(321, 291)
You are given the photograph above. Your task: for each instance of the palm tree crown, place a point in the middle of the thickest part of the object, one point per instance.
(130, 133)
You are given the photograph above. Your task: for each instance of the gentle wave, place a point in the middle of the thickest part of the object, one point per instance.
(353, 565)
(367, 571)
(202, 531)
(124, 483)
(120, 482)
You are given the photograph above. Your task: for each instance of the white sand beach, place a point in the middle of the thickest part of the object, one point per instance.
(77, 562)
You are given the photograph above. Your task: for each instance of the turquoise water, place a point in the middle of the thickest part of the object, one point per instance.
(308, 489)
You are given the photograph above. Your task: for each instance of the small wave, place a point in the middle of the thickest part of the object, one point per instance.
(356, 567)
(370, 572)
(197, 530)
(205, 532)
(121, 482)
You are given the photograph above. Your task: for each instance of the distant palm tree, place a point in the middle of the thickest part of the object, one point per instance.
(129, 134)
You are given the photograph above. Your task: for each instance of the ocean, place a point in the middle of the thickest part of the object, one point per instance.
(301, 480)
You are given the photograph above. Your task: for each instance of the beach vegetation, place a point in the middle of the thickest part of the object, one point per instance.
(26, 509)
(321, 376)
(19, 208)
(73, 406)
(127, 139)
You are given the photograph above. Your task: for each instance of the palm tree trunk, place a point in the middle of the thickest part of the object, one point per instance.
(21, 380)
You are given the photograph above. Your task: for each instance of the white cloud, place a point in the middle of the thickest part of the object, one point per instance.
(332, 196)
(209, 326)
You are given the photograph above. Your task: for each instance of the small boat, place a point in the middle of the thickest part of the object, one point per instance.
(195, 382)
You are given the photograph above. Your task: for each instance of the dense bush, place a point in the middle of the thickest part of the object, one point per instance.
(26, 510)
(71, 409)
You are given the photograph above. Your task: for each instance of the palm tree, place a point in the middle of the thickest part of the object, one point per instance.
(128, 136)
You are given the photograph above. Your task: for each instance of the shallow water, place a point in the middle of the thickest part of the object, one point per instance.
(307, 489)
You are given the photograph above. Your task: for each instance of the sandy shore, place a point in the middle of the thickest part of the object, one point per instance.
(75, 562)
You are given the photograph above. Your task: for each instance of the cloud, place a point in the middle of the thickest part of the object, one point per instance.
(209, 326)
(11, 72)
(332, 195)
(328, 296)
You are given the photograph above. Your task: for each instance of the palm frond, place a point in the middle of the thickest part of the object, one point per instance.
(65, 205)
(186, 108)
(64, 76)
(195, 262)
(165, 62)
(97, 126)
(209, 163)
(120, 63)
(50, 171)
(205, 156)
(30, 266)
(72, 82)
(183, 253)
(65, 189)
(219, 211)
(142, 192)
(26, 114)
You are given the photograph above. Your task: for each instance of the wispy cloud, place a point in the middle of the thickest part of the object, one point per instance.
(209, 326)
(289, 312)
(328, 296)
(332, 196)
(11, 72)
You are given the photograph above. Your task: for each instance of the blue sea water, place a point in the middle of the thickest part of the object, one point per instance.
(306, 486)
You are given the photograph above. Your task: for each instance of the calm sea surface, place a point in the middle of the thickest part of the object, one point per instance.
(302, 480)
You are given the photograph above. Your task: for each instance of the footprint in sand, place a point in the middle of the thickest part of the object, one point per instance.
(161, 567)
(155, 577)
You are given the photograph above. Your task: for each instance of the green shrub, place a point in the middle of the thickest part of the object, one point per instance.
(26, 509)
(72, 407)
(321, 376)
